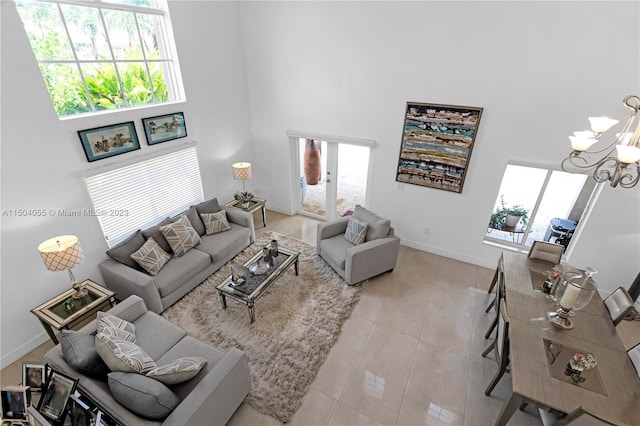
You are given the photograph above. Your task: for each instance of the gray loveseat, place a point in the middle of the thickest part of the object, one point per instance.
(180, 274)
(209, 398)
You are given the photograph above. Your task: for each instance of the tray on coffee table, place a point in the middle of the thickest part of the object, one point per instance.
(257, 285)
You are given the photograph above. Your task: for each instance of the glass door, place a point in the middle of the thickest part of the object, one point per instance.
(333, 177)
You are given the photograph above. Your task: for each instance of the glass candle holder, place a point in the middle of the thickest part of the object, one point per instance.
(575, 293)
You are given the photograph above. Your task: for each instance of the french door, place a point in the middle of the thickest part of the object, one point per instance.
(333, 175)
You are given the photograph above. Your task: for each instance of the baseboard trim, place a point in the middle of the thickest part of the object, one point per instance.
(447, 253)
(23, 349)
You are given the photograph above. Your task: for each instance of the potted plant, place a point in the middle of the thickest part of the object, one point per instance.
(508, 216)
(244, 197)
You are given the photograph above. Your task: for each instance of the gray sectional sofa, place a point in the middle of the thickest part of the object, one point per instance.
(209, 398)
(180, 274)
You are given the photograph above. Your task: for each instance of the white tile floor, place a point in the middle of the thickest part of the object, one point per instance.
(410, 353)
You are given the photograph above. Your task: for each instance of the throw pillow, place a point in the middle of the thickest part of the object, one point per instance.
(210, 206)
(123, 355)
(155, 233)
(79, 350)
(151, 257)
(178, 371)
(215, 222)
(378, 227)
(194, 219)
(142, 395)
(122, 252)
(111, 325)
(181, 236)
(356, 231)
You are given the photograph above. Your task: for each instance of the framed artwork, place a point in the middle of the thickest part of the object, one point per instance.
(55, 398)
(163, 128)
(436, 145)
(15, 401)
(34, 375)
(107, 141)
(80, 413)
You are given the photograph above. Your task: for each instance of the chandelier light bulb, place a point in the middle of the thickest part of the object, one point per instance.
(581, 143)
(628, 154)
(600, 125)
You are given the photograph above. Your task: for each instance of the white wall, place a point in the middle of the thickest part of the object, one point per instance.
(43, 161)
(538, 69)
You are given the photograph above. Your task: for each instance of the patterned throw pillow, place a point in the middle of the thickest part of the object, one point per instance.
(215, 222)
(151, 257)
(110, 325)
(122, 355)
(356, 231)
(178, 371)
(181, 236)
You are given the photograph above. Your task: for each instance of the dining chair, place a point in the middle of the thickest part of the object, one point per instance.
(500, 345)
(579, 417)
(634, 355)
(496, 275)
(499, 293)
(546, 251)
(619, 304)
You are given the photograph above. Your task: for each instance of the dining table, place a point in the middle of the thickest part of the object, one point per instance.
(540, 352)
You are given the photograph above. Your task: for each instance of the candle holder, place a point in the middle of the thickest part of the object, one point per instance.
(573, 296)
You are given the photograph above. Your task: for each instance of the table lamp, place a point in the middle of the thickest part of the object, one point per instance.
(61, 254)
(242, 171)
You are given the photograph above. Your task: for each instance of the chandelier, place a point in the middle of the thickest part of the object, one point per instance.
(621, 167)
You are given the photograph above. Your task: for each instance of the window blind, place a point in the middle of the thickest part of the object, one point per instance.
(142, 194)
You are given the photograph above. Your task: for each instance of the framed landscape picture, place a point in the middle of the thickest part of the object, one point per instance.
(163, 128)
(436, 145)
(107, 141)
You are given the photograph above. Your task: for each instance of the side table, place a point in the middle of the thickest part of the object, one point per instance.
(59, 314)
(254, 205)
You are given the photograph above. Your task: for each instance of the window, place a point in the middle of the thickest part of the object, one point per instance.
(97, 55)
(545, 204)
(141, 194)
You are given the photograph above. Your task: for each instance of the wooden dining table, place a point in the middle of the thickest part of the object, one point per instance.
(539, 352)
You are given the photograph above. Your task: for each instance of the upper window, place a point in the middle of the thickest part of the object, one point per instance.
(96, 55)
(539, 204)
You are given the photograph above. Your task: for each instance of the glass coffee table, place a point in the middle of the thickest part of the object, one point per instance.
(257, 285)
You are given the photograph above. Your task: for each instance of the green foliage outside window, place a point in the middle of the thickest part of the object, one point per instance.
(106, 68)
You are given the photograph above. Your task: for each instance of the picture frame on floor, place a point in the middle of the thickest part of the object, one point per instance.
(108, 141)
(55, 398)
(437, 141)
(15, 400)
(34, 374)
(163, 128)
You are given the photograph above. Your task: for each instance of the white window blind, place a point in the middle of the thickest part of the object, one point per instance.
(142, 194)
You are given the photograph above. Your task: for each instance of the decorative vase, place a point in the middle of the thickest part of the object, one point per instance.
(312, 162)
(244, 204)
(512, 221)
(266, 256)
(273, 249)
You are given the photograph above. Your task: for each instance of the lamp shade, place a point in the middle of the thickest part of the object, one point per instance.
(61, 253)
(241, 171)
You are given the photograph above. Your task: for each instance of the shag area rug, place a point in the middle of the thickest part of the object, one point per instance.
(297, 321)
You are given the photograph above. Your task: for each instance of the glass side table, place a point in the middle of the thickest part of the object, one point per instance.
(254, 205)
(64, 312)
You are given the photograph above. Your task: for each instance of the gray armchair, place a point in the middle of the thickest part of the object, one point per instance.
(377, 254)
